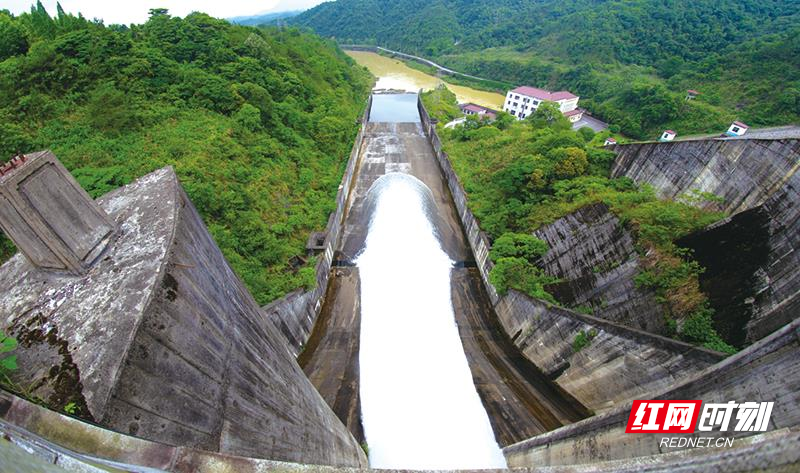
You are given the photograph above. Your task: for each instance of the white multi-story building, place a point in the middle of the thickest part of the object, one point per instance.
(524, 100)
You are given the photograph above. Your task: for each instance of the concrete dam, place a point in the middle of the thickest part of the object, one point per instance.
(395, 145)
(189, 375)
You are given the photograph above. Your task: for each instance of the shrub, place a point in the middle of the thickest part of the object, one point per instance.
(583, 339)
(699, 329)
(8, 363)
(519, 274)
(518, 245)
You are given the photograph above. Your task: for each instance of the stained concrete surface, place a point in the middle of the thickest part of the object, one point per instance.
(520, 399)
(520, 402)
(160, 339)
(335, 337)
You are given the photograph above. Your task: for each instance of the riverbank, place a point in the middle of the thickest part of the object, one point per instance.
(394, 73)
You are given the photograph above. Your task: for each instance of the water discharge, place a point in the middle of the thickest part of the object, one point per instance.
(420, 408)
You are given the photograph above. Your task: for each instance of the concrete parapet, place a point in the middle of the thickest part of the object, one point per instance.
(766, 371)
(162, 340)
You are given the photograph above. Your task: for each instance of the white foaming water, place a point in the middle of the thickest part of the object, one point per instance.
(420, 408)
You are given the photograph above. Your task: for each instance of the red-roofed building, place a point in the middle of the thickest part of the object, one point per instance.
(668, 135)
(610, 141)
(737, 129)
(524, 100)
(691, 94)
(473, 109)
(574, 115)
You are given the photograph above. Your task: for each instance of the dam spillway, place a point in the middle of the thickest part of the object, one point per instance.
(519, 400)
(414, 395)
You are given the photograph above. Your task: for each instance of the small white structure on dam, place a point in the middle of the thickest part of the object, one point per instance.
(737, 129)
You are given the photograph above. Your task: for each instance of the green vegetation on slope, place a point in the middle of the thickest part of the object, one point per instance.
(258, 123)
(633, 60)
(441, 104)
(533, 172)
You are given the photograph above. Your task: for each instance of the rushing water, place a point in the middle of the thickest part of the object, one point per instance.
(394, 74)
(420, 408)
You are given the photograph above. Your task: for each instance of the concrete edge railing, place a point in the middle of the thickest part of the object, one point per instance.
(38, 436)
(545, 334)
(294, 315)
(26, 423)
(765, 371)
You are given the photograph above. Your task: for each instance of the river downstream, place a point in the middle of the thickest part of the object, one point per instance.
(394, 74)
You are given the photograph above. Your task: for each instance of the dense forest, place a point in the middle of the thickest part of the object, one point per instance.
(258, 123)
(522, 175)
(265, 19)
(630, 61)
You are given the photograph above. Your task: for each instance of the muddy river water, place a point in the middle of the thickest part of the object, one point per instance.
(394, 74)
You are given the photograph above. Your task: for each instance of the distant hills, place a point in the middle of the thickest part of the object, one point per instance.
(263, 19)
(634, 58)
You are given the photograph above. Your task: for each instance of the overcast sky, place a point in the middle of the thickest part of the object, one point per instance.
(125, 12)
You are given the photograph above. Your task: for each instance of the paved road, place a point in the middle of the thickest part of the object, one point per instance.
(520, 401)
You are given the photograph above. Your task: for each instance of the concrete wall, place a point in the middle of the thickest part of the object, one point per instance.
(206, 370)
(744, 173)
(777, 300)
(294, 315)
(619, 364)
(160, 339)
(594, 258)
(757, 292)
(37, 439)
(766, 371)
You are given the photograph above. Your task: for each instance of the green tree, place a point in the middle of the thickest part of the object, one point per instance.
(570, 162)
(109, 110)
(248, 118)
(548, 115)
(12, 38)
(519, 274)
(518, 245)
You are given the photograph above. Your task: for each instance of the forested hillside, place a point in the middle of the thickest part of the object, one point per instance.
(265, 19)
(258, 123)
(633, 60)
